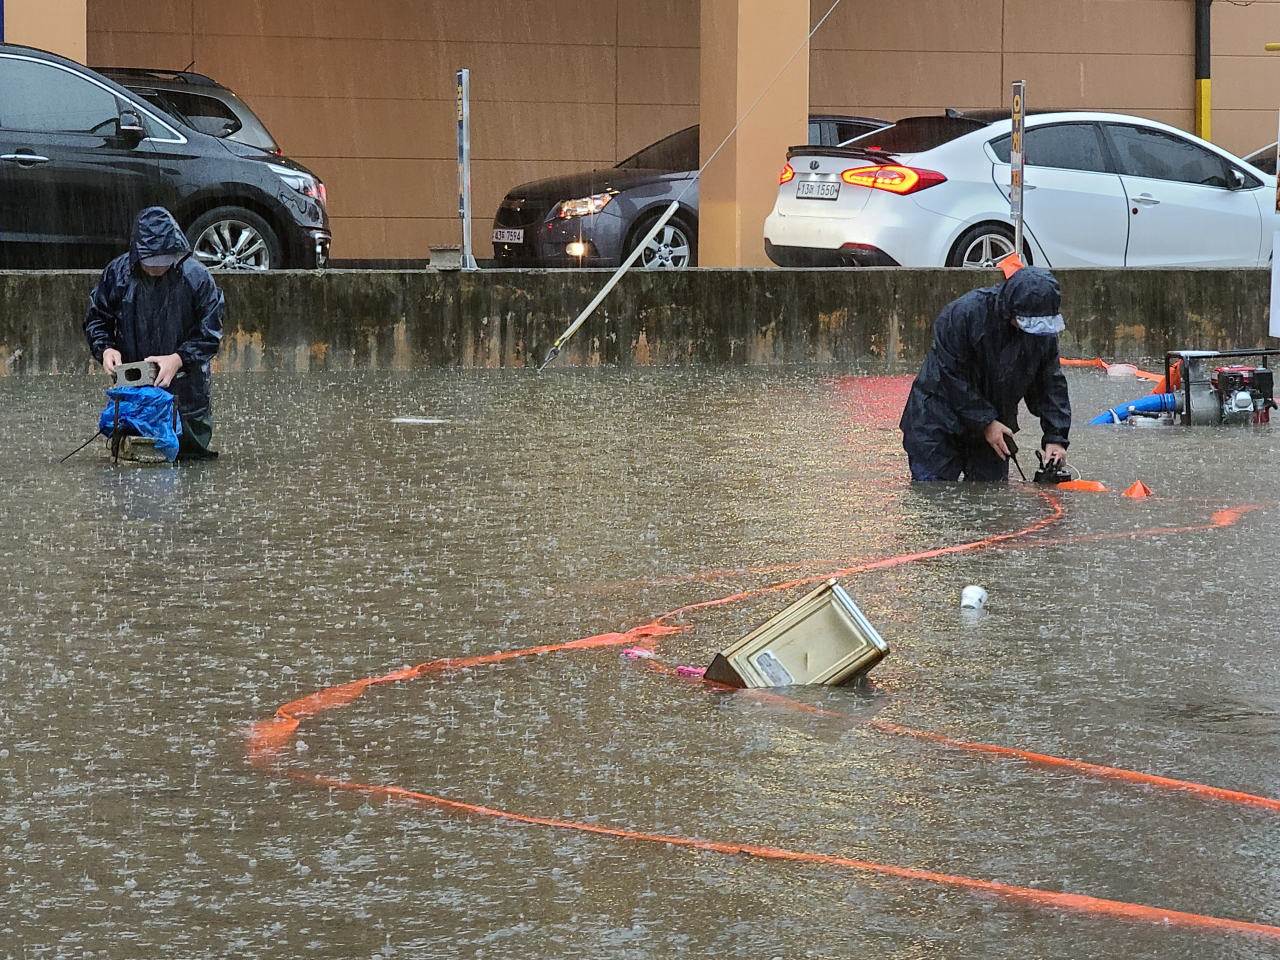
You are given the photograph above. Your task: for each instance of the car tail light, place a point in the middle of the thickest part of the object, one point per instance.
(787, 174)
(893, 178)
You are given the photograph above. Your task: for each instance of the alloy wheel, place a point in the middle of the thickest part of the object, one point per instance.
(669, 250)
(232, 245)
(986, 251)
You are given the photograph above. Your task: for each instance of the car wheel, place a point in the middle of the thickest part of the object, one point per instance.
(984, 246)
(674, 248)
(232, 238)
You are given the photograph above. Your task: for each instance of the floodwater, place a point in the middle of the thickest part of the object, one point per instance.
(151, 614)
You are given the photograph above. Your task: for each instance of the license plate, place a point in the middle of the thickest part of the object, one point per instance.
(818, 190)
(508, 236)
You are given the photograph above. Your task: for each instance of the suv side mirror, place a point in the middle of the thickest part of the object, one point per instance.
(129, 127)
(1235, 179)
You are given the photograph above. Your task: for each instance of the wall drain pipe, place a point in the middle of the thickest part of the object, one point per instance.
(1203, 51)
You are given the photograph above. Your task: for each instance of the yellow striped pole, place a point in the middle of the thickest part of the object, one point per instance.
(1203, 54)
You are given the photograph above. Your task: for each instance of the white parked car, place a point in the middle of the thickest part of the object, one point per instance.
(1101, 190)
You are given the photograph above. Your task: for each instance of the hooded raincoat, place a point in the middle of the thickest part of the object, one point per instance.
(179, 312)
(978, 369)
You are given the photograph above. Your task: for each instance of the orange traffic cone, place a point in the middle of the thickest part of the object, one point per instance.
(1138, 491)
(1088, 486)
(1011, 265)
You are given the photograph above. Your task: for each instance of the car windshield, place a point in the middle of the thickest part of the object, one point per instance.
(676, 152)
(916, 134)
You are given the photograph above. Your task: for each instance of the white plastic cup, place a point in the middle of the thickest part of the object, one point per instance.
(973, 597)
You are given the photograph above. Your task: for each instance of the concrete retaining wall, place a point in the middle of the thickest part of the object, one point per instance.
(401, 320)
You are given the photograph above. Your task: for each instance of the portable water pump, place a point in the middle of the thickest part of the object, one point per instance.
(1244, 393)
(1209, 393)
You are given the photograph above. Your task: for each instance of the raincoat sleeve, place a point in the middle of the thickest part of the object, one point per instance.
(955, 353)
(1047, 399)
(209, 306)
(104, 312)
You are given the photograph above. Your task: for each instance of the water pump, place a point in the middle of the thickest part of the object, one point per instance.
(1211, 393)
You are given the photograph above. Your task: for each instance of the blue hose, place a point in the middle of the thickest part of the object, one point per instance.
(1155, 403)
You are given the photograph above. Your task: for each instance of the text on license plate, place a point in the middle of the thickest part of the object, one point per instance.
(818, 190)
(508, 236)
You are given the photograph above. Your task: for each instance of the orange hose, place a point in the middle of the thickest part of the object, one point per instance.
(1077, 903)
(1090, 769)
(266, 738)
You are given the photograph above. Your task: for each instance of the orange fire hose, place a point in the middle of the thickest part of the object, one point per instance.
(265, 740)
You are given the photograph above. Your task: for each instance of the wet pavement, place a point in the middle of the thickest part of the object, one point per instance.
(151, 614)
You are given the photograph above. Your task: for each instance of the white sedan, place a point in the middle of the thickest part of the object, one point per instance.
(1101, 190)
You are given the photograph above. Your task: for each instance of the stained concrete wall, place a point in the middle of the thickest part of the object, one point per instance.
(339, 320)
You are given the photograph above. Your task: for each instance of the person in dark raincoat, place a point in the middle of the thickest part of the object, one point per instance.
(991, 348)
(158, 303)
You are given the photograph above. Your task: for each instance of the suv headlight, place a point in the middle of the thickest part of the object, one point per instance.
(304, 183)
(583, 207)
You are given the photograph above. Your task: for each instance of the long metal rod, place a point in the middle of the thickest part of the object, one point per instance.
(613, 282)
(675, 204)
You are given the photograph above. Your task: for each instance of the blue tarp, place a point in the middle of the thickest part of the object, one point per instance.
(144, 412)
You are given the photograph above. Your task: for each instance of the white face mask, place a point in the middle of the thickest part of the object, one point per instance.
(1041, 326)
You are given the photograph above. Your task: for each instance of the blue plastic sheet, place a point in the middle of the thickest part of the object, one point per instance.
(144, 412)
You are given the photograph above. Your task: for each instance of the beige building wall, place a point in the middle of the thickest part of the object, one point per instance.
(1131, 56)
(363, 92)
(54, 25)
(1246, 79)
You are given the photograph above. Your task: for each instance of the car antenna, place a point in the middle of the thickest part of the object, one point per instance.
(675, 205)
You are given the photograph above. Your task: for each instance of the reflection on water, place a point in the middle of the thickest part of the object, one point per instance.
(152, 613)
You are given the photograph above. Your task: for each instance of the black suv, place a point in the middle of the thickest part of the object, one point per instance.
(80, 155)
(200, 102)
(595, 219)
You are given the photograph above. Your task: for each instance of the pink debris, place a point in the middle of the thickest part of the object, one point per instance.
(638, 653)
(691, 671)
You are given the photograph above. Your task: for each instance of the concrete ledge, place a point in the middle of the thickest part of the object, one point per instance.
(340, 319)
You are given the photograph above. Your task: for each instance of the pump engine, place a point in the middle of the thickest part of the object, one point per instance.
(1244, 393)
(1209, 394)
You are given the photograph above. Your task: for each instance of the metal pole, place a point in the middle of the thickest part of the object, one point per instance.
(1274, 321)
(1017, 163)
(613, 282)
(464, 166)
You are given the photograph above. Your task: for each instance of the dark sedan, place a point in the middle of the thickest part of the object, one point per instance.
(596, 218)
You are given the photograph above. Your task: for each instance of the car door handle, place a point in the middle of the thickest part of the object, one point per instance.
(24, 158)
(1146, 198)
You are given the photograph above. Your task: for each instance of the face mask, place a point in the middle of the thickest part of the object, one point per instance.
(1041, 326)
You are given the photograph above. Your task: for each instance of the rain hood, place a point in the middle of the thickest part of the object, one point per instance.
(155, 232)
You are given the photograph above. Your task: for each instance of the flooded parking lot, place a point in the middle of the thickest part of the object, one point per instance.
(153, 614)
